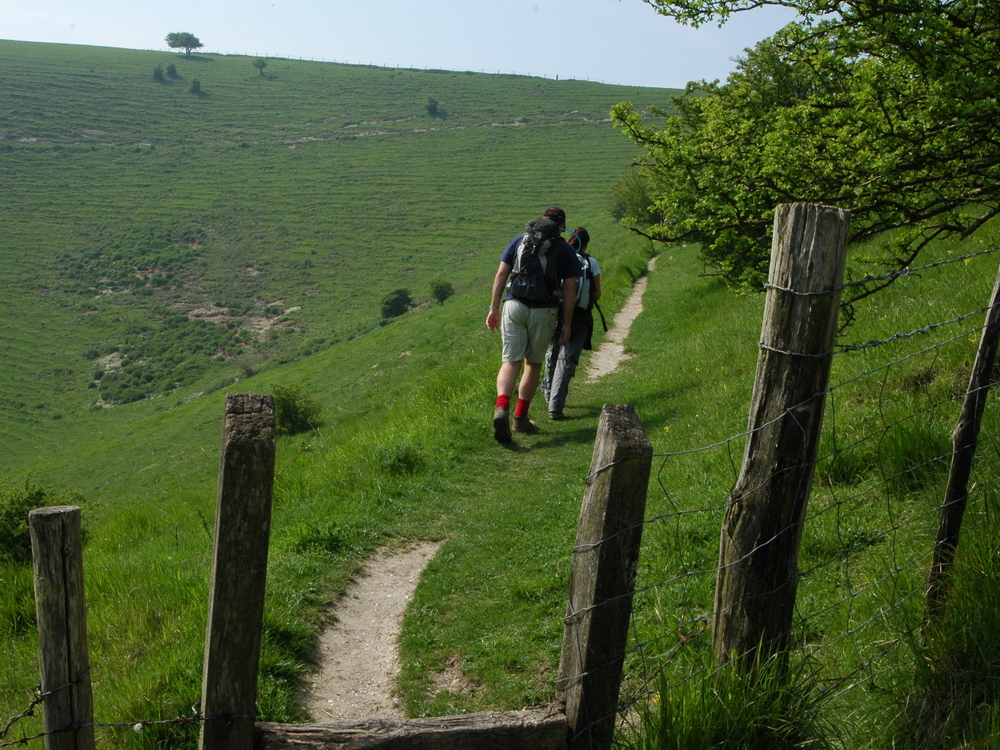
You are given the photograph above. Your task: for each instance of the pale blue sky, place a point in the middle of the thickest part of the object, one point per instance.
(615, 41)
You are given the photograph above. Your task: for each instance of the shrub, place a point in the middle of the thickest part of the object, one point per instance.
(195, 86)
(396, 303)
(172, 70)
(15, 502)
(441, 290)
(295, 409)
(158, 74)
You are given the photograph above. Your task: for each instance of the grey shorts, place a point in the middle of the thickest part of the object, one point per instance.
(526, 331)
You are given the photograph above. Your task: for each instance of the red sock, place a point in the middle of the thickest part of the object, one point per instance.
(522, 408)
(503, 402)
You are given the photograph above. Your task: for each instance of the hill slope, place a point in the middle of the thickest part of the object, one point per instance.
(161, 241)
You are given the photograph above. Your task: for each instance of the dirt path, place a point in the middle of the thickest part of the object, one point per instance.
(606, 357)
(358, 661)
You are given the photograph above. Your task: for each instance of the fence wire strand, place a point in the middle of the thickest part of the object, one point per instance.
(865, 556)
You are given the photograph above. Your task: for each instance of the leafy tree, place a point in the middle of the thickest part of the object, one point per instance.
(183, 40)
(396, 303)
(889, 110)
(441, 290)
(260, 64)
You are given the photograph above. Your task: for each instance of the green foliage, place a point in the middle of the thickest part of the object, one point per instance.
(183, 40)
(195, 86)
(295, 409)
(890, 115)
(396, 303)
(434, 108)
(441, 290)
(15, 502)
(158, 74)
(260, 64)
(172, 70)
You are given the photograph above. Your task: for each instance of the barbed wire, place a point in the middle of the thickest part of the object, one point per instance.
(136, 725)
(880, 593)
(890, 276)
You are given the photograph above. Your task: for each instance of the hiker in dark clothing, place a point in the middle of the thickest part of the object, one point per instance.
(563, 355)
(542, 264)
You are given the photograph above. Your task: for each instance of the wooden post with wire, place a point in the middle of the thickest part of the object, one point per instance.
(57, 558)
(239, 573)
(602, 578)
(762, 528)
(964, 441)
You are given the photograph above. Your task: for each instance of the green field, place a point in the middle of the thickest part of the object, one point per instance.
(163, 247)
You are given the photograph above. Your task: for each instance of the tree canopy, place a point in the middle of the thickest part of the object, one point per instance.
(183, 40)
(889, 109)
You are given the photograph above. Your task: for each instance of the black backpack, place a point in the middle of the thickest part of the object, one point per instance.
(535, 276)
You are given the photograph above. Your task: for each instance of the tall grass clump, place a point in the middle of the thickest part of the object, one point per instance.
(954, 701)
(763, 708)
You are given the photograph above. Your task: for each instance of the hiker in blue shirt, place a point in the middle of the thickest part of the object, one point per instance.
(564, 355)
(543, 269)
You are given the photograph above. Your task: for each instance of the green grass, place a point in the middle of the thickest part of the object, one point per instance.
(248, 233)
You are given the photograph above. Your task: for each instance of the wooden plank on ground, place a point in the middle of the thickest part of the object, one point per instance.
(541, 728)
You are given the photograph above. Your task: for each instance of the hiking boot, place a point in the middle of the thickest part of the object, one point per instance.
(558, 416)
(501, 424)
(525, 425)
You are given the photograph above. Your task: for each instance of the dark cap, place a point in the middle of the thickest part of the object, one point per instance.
(556, 214)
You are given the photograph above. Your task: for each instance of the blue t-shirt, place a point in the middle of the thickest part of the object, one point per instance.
(567, 266)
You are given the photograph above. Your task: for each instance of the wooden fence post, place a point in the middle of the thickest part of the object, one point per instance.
(602, 578)
(762, 529)
(239, 573)
(57, 556)
(964, 441)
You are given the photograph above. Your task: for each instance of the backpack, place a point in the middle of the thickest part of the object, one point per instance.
(583, 282)
(535, 276)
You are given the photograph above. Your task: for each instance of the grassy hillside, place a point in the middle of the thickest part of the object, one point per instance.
(386, 197)
(195, 237)
(162, 246)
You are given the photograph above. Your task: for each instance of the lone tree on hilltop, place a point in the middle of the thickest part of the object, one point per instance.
(183, 40)
(260, 64)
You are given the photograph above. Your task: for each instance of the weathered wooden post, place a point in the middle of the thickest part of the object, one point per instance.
(602, 578)
(964, 441)
(239, 573)
(57, 556)
(762, 529)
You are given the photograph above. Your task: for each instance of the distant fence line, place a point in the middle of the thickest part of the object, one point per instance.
(386, 66)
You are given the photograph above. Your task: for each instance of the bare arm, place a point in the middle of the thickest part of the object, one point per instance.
(499, 281)
(595, 287)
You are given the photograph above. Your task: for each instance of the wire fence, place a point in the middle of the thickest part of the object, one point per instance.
(136, 725)
(868, 537)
